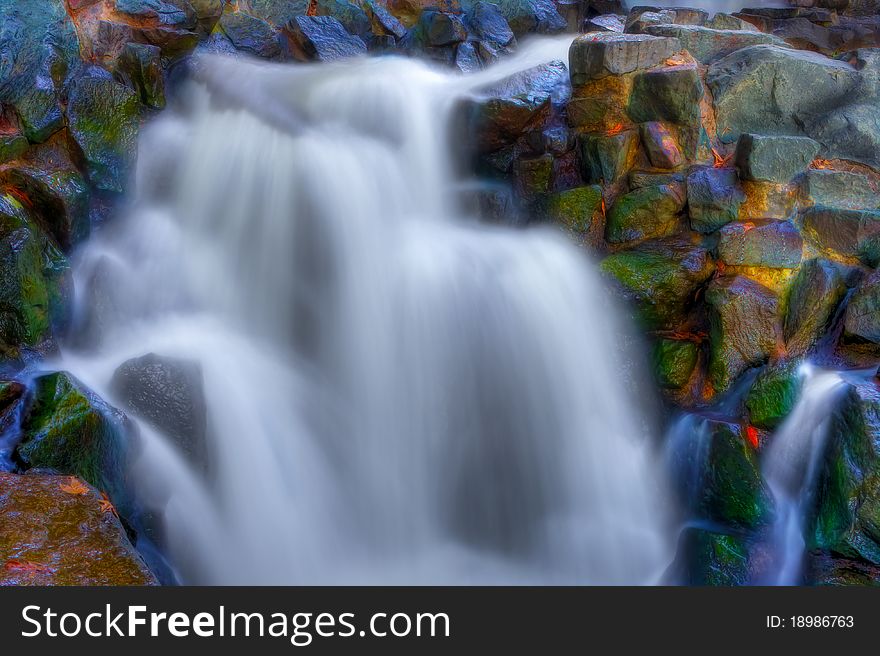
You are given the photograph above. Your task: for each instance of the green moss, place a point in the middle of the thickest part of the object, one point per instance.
(773, 395)
(674, 362)
(716, 559)
(644, 213)
(575, 208)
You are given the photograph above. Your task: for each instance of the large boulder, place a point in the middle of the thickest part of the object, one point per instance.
(576, 209)
(773, 394)
(714, 198)
(58, 531)
(771, 90)
(175, 13)
(706, 44)
(674, 362)
(813, 298)
(745, 327)
(103, 116)
(278, 12)
(661, 145)
(668, 93)
(851, 132)
(773, 159)
(141, 65)
(40, 49)
(70, 429)
(486, 22)
(850, 233)
(524, 16)
(353, 18)
(769, 244)
(661, 278)
(251, 34)
(842, 189)
(645, 213)
(167, 393)
(606, 158)
(862, 320)
(322, 38)
(712, 558)
(597, 55)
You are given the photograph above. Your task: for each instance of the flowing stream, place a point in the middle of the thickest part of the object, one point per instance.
(395, 392)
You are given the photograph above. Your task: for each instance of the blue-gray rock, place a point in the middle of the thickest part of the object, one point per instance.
(383, 22)
(851, 233)
(353, 18)
(773, 159)
(594, 56)
(843, 189)
(488, 24)
(770, 244)
(322, 38)
(251, 34)
(141, 64)
(862, 320)
(278, 12)
(526, 16)
(706, 44)
(851, 132)
(714, 198)
(174, 13)
(670, 93)
(467, 59)
(815, 294)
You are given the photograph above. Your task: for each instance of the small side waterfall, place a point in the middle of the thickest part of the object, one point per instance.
(790, 468)
(395, 393)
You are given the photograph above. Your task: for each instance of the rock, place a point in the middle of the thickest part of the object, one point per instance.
(533, 176)
(840, 189)
(525, 16)
(847, 506)
(103, 116)
(382, 21)
(506, 109)
(322, 38)
(175, 13)
(605, 158)
(576, 209)
(174, 42)
(104, 41)
(824, 568)
(278, 12)
(593, 56)
(68, 428)
(251, 34)
(768, 200)
(850, 233)
(639, 19)
(436, 30)
(714, 198)
(670, 93)
(776, 91)
(722, 21)
(706, 44)
(733, 492)
(744, 317)
(674, 362)
(852, 132)
(639, 179)
(770, 244)
(467, 59)
(54, 537)
(141, 64)
(488, 24)
(353, 18)
(39, 48)
(662, 279)
(604, 23)
(815, 295)
(661, 146)
(167, 393)
(773, 159)
(645, 213)
(773, 395)
(208, 12)
(862, 319)
(492, 203)
(600, 105)
(55, 190)
(716, 559)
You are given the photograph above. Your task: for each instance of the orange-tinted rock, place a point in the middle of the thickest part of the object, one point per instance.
(55, 532)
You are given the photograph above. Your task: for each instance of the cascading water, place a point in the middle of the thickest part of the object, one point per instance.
(396, 394)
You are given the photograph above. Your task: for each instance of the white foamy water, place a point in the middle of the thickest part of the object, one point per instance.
(396, 393)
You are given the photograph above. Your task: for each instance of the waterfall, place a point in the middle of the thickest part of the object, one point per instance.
(395, 392)
(791, 465)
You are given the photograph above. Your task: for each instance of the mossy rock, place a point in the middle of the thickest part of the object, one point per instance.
(69, 429)
(773, 395)
(605, 158)
(715, 559)
(674, 362)
(645, 213)
(813, 298)
(575, 208)
(56, 532)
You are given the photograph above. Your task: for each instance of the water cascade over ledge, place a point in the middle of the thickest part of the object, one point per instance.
(395, 393)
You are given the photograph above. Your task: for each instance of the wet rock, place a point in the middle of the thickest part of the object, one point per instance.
(706, 44)
(492, 203)
(722, 21)
(467, 58)
(768, 200)
(604, 23)
(773, 159)
(207, 12)
(53, 536)
(605, 158)
(661, 146)
(141, 65)
(773, 395)
(714, 198)
(661, 278)
(576, 209)
(851, 132)
(353, 18)
(104, 41)
(645, 213)
(841, 189)
(745, 327)
(39, 48)
(596, 55)
(436, 29)
(176, 13)
(522, 100)
(716, 559)
(174, 42)
(770, 244)
(251, 34)
(103, 117)
(525, 16)
(733, 492)
(167, 393)
(850, 233)
(862, 320)
(53, 187)
(533, 176)
(68, 428)
(671, 93)
(815, 295)
(488, 24)
(278, 12)
(639, 179)
(772, 90)
(382, 21)
(639, 19)
(600, 105)
(674, 362)
(322, 38)
(825, 568)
